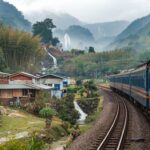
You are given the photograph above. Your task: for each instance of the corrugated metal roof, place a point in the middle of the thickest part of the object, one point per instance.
(24, 86)
(15, 86)
(52, 75)
(24, 73)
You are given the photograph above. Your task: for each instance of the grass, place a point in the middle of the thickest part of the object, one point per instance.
(11, 125)
(77, 96)
(85, 127)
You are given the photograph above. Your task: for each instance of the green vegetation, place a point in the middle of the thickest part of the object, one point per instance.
(93, 116)
(85, 127)
(65, 109)
(91, 49)
(136, 36)
(10, 16)
(96, 65)
(19, 121)
(19, 51)
(31, 144)
(44, 30)
(47, 113)
(42, 99)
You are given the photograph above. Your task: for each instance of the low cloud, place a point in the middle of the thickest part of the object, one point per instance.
(88, 10)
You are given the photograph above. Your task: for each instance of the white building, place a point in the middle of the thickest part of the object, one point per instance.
(54, 81)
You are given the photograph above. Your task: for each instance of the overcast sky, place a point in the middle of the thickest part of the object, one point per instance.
(88, 10)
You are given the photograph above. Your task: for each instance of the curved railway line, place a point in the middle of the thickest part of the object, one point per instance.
(114, 137)
(121, 126)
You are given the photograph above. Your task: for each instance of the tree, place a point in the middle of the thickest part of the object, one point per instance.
(2, 60)
(47, 113)
(91, 49)
(90, 88)
(44, 30)
(55, 41)
(66, 110)
(20, 50)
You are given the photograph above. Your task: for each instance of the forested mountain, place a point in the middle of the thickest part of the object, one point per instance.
(80, 37)
(103, 33)
(78, 32)
(134, 27)
(10, 16)
(136, 36)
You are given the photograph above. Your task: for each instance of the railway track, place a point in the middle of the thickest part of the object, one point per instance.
(114, 137)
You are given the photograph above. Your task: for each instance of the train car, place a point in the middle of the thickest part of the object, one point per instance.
(139, 86)
(126, 83)
(135, 83)
(120, 82)
(112, 81)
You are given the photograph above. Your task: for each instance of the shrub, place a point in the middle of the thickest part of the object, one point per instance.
(40, 102)
(88, 105)
(32, 144)
(66, 110)
(35, 144)
(47, 113)
(15, 145)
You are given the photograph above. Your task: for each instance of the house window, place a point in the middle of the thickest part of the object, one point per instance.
(25, 92)
(50, 85)
(32, 93)
(57, 86)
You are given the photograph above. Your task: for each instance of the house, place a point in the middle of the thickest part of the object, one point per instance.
(54, 81)
(22, 87)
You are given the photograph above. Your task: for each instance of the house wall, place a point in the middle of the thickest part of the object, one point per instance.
(57, 93)
(6, 93)
(10, 95)
(21, 79)
(17, 93)
(4, 81)
(51, 82)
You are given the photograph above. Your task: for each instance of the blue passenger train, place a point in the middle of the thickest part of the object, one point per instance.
(135, 83)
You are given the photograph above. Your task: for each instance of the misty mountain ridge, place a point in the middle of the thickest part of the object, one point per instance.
(107, 29)
(103, 33)
(61, 20)
(80, 37)
(135, 36)
(134, 27)
(10, 16)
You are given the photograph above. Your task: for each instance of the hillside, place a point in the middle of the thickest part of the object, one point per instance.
(103, 33)
(10, 16)
(136, 36)
(107, 29)
(134, 27)
(80, 37)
